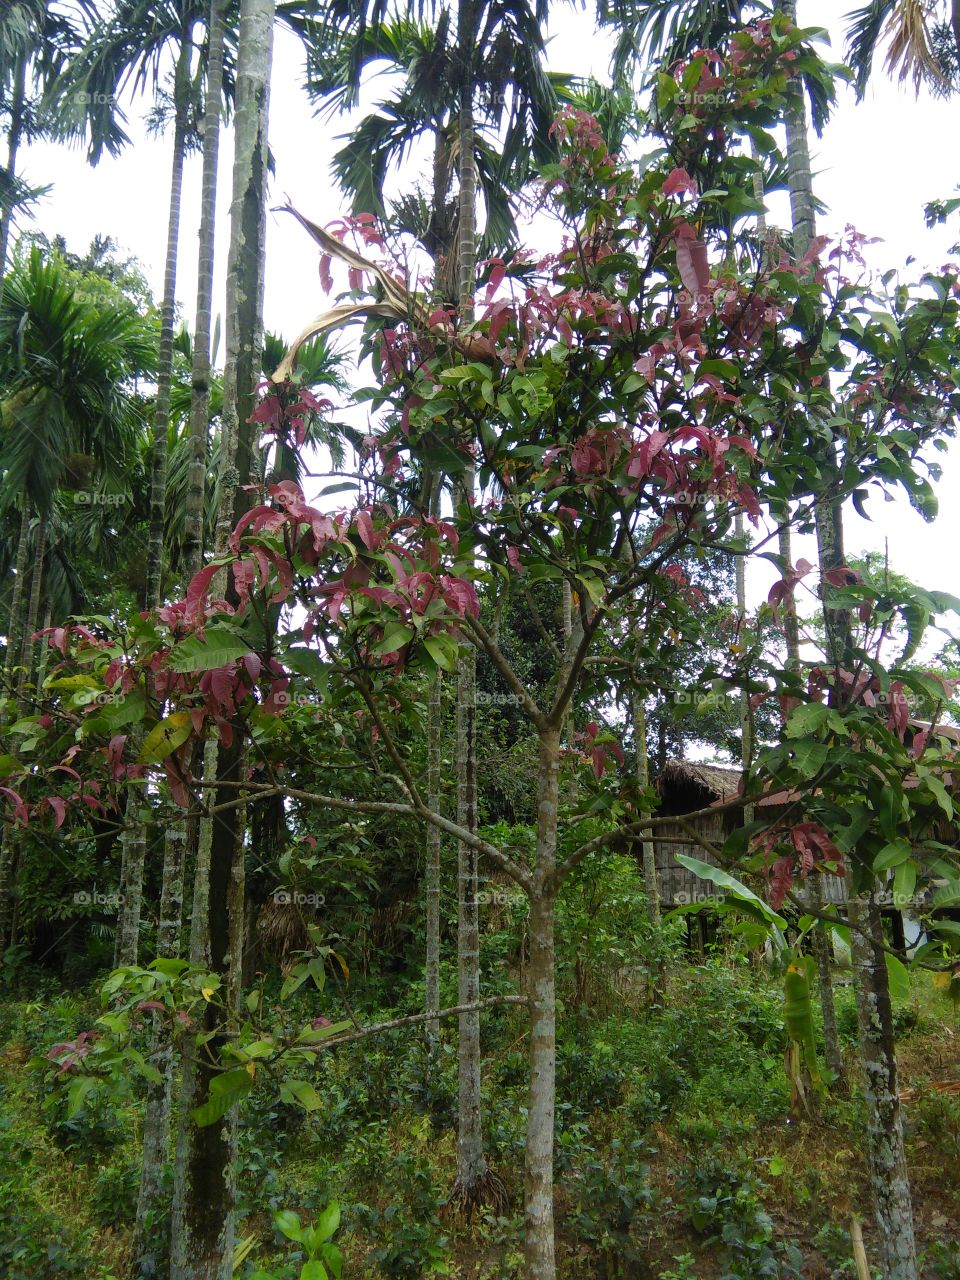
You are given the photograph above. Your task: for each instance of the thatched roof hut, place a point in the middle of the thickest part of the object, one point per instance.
(685, 786)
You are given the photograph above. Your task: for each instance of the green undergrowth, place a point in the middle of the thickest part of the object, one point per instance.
(676, 1153)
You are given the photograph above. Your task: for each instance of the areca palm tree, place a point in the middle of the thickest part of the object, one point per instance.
(477, 89)
(514, 100)
(131, 50)
(67, 367)
(36, 40)
(204, 1173)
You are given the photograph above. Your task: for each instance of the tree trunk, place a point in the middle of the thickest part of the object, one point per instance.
(33, 612)
(823, 955)
(200, 376)
(156, 1128)
(471, 1163)
(133, 857)
(134, 843)
(650, 884)
(204, 1184)
(15, 621)
(204, 1175)
(433, 869)
(829, 527)
(161, 412)
(156, 1116)
(14, 628)
(474, 1184)
(746, 721)
(14, 134)
(889, 1182)
(541, 992)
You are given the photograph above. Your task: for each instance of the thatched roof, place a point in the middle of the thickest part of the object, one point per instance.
(714, 780)
(684, 785)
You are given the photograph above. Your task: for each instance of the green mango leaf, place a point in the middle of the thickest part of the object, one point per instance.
(892, 855)
(442, 650)
(301, 1091)
(80, 1086)
(219, 646)
(941, 794)
(225, 1090)
(395, 636)
(164, 738)
(904, 883)
(898, 977)
(810, 717)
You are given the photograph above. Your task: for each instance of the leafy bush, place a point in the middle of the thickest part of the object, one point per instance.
(34, 1243)
(610, 1194)
(937, 1117)
(115, 1192)
(942, 1261)
(726, 1206)
(409, 1241)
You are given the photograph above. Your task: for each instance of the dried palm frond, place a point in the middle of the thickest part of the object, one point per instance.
(910, 55)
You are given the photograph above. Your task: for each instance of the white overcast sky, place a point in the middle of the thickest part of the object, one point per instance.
(875, 167)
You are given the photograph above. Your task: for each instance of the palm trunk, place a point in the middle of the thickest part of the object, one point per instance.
(205, 1168)
(132, 860)
(474, 1183)
(889, 1181)
(200, 394)
(823, 955)
(14, 134)
(541, 992)
(14, 622)
(161, 414)
(33, 612)
(433, 869)
(156, 1117)
(14, 626)
(9, 850)
(471, 1163)
(156, 1128)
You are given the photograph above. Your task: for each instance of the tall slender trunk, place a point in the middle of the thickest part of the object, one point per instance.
(33, 613)
(650, 884)
(746, 720)
(15, 620)
(541, 992)
(829, 527)
(200, 376)
(156, 1128)
(205, 1167)
(472, 1172)
(161, 413)
(9, 839)
(471, 1164)
(889, 1181)
(147, 1262)
(433, 869)
(14, 631)
(14, 135)
(132, 860)
(823, 955)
